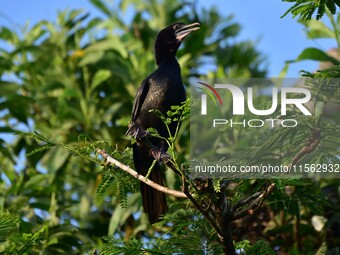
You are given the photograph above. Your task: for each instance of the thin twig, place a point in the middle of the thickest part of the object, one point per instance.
(139, 177)
(246, 200)
(206, 214)
(256, 204)
(309, 147)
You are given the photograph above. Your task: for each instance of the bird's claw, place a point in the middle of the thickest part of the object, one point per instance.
(141, 133)
(159, 154)
(137, 132)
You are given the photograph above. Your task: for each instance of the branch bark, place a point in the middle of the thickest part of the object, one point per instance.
(108, 159)
(224, 216)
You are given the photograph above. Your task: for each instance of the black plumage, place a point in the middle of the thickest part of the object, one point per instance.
(160, 90)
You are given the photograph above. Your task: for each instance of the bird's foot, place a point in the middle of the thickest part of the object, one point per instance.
(137, 131)
(159, 154)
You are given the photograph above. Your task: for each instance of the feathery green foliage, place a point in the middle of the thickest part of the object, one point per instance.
(306, 8)
(78, 75)
(8, 225)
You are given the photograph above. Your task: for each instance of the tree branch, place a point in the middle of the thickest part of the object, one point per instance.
(108, 159)
(308, 148)
(246, 200)
(224, 216)
(255, 204)
(206, 214)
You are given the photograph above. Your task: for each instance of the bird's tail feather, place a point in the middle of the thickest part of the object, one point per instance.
(154, 202)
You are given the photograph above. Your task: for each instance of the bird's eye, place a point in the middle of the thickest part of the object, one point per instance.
(176, 27)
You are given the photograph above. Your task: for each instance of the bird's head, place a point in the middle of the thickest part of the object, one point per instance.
(169, 39)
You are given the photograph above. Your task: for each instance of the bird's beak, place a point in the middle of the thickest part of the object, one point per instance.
(185, 30)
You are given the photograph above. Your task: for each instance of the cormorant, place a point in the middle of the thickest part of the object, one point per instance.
(159, 91)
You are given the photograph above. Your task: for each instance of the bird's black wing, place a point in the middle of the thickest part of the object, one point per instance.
(134, 130)
(140, 97)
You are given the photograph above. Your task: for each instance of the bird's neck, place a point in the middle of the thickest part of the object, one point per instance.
(169, 61)
(164, 55)
(170, 65)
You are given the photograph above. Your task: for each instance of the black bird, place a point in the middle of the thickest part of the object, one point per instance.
(159, 91)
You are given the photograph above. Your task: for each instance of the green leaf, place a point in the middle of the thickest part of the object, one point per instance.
(55, 159)
(337, 2)
(315, 54)
(99, 77)
(110, 43)
(331, 6)
(73, 21)
(8, 224)
(35, 182)
(284, 71)
(321, 9)
(91, 58)
(101, 6)
(35, 33)
(121, 214)
(18, 106)
(105, 183)
(40, 149)
(260, 247)
(306, 8)
(318, 29)
(7, 35)
(289, 10)
(183, 60)
(152, 131)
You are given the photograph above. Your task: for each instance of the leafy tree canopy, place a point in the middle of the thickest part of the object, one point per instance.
(67, 89)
